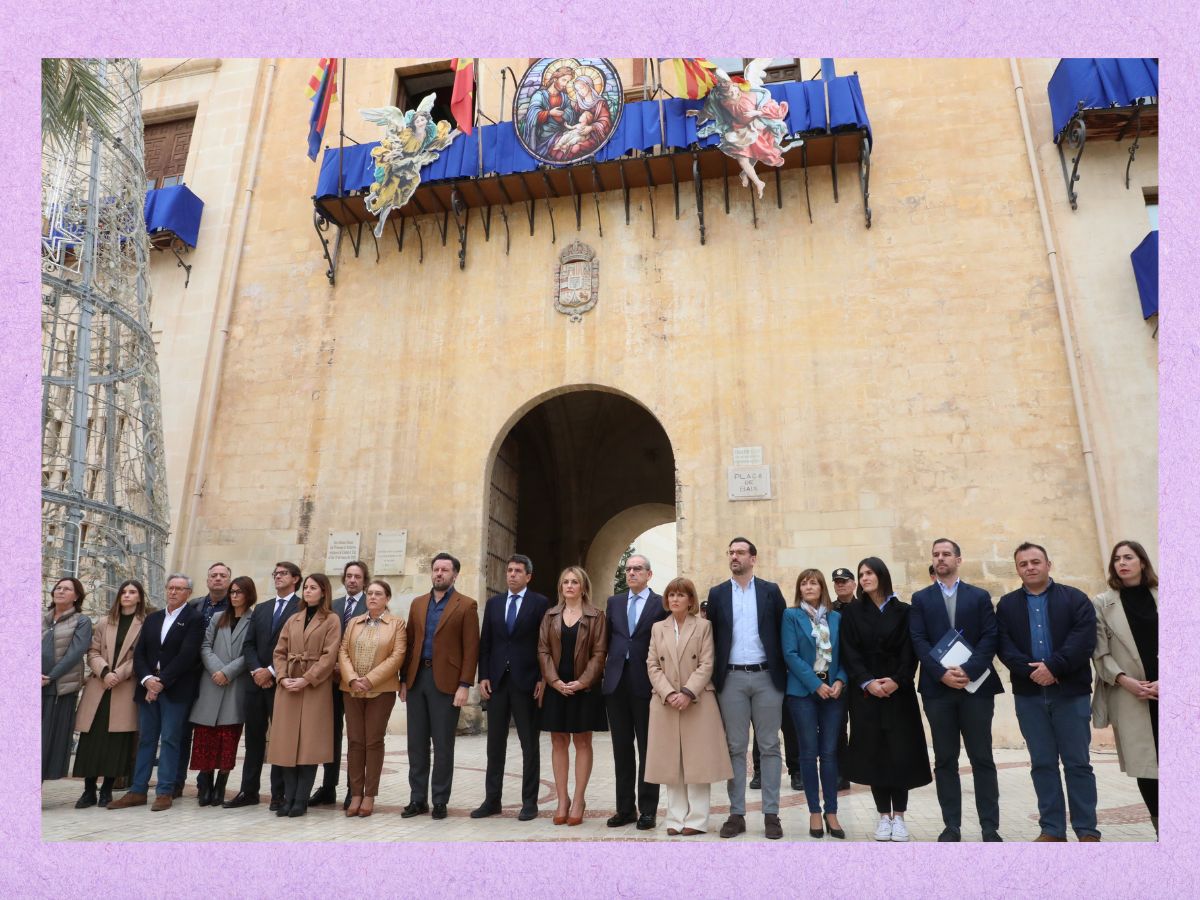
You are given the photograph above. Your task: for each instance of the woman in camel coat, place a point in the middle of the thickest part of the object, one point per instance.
(369, 660)
(686, 750)
(107, 717)
(302, 723)
(1126, 660)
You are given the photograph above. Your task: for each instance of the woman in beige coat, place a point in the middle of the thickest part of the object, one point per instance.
(107, 717)
(686, 748)
(371, 655)
(1126, 659)
(302, 723)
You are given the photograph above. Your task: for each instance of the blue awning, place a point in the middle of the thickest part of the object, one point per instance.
(175, 209)
(1145, 270)
(642, 126)
(1099, 84)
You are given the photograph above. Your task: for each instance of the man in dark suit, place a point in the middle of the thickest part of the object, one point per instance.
(266, 623)
(166, 664)
(950, 603)
(844, 586)
(443, 648)
(750, 677)
(627, 690)
(510, 680)
(215, 601)
(354, 579)
(1047, 638)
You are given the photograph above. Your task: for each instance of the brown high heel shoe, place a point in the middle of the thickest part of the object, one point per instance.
(367, 807)
(352, 809)
(562, 819)
(578, 820)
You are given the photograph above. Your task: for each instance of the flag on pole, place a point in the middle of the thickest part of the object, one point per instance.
(462, 98)
(322, 88)
(698, 76)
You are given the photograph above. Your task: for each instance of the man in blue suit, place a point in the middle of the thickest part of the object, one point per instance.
(510, 680)
(1047, 638)
(626, 687)
(952, 604)
(750, 676)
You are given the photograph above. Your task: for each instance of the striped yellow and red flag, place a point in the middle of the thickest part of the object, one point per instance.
(318, 75)
(462, 98)
(696, 76)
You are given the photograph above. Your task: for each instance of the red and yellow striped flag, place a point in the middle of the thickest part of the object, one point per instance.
(462, 98)
(698, 76)
(318, 75)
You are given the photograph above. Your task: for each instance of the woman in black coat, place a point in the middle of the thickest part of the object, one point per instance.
(887, 741)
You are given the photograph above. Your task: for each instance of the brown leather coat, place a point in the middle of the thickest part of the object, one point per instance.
(591, 644)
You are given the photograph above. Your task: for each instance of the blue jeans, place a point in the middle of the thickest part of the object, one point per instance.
(1057, 727)
(161, 720)
(818, 725)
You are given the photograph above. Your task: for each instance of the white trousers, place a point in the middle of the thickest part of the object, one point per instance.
(687, 806)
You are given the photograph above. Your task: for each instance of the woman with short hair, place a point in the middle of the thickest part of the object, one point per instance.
(685, 747)
(107, 719)
(66, 636)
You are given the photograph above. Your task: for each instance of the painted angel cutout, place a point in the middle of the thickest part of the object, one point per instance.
(751, 123)
(411, 141)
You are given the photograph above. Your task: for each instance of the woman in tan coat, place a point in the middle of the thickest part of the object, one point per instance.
(302, 723)
(371, 655)
(572, 642)
(686, 750)
(1126, 659)
(107, 717)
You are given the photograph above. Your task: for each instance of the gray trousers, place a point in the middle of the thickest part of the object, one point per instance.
(752, 697)
(432, 716)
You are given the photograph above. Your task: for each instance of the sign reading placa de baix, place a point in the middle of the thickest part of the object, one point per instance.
(341, 549)
(390, 547)
(749, 482)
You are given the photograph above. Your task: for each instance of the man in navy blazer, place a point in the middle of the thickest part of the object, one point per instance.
(166, 664)
(1047, 638)
(627, 691)
(952, 604)
(510, 680)
(750, 677)
(266, 624)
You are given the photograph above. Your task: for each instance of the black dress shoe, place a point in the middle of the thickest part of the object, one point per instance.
(527, 813)
(240, 799)
(797, 782)
(838, 833)
(281, 810)
(487, 809)
(346, 802)
(622, 819)
(298, 810)
(278, 803)
(86, 799)
(440, 811)
(992, 837)
(949, 836)
(756, 782)
(645, 823)
(322, 796)
(414, 809)
(105, 796)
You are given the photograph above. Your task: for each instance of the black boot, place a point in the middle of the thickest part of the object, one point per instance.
(756, 781)
(88, 797)
(204, 785)
(217, 797)
(106, 789)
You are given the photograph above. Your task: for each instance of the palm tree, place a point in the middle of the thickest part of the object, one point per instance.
(73, 94)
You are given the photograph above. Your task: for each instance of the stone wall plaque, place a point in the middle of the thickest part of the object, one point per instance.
(390, 547)
(341, 549)
(749, 482)
(747, 456)
(576, 280)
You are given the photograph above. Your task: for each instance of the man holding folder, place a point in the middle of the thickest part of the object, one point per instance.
(953, 619)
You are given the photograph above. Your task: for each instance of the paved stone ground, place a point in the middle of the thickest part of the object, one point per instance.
(1122, 815)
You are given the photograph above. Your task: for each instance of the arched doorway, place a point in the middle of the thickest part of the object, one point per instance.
(570, 463)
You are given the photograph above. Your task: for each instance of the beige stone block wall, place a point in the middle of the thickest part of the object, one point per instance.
(905, 382)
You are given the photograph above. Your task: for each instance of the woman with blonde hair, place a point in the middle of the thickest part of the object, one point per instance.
(302, 723)
(686, 749)
(107, 718)
(1126, 660)
(571, 646)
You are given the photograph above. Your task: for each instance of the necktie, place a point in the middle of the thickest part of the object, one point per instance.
(279, 604)
(510, 618)
(632, 617)
(350, 604)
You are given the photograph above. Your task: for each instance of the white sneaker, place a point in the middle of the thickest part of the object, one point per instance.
(899, 829)
(883, 832)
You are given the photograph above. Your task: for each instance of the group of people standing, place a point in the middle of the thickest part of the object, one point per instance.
(679, 684)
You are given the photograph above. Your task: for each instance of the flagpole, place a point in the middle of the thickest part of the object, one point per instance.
(342, 130)
(476, 98)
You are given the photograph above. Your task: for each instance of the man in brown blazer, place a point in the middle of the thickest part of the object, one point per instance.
(443, 648)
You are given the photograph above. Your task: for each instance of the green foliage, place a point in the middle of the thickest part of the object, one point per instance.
(73, 95)
(619, 582)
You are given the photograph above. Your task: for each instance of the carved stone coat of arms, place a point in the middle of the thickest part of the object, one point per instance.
(576, 280)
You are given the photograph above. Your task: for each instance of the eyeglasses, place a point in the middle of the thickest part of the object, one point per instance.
(177, 587)
(282, 573)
